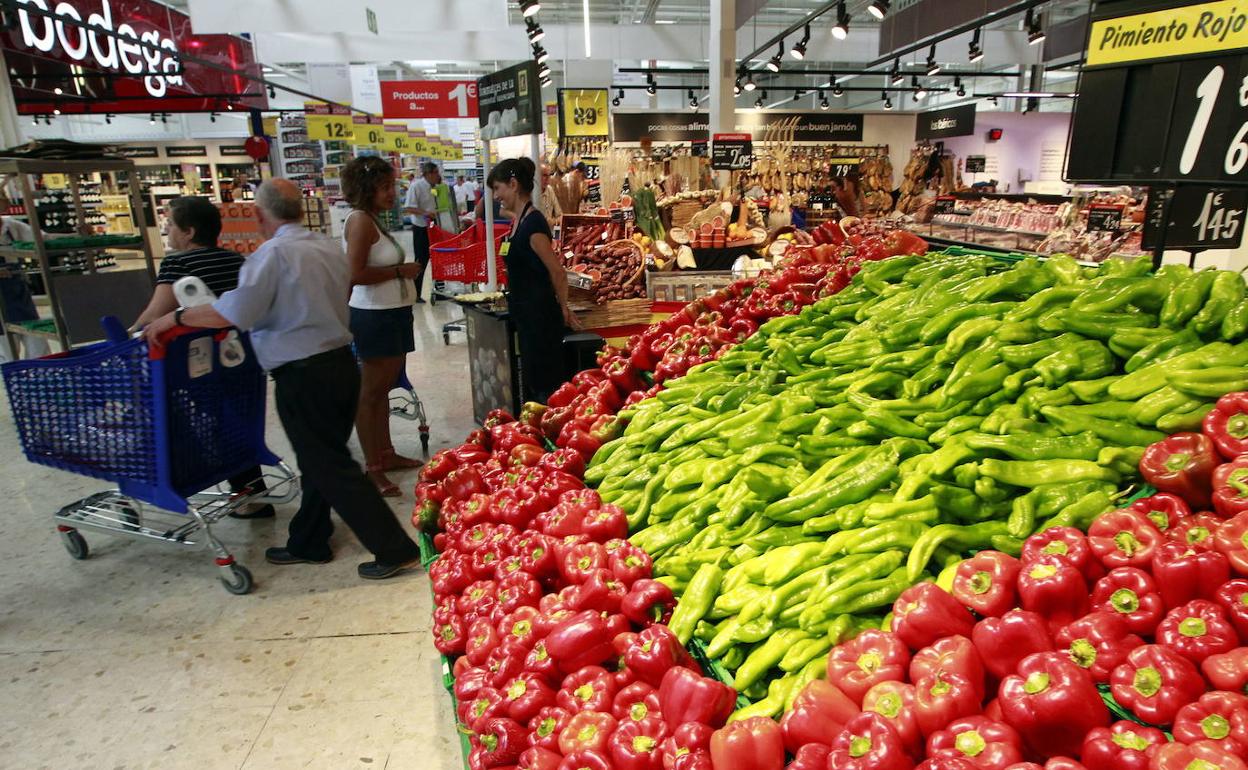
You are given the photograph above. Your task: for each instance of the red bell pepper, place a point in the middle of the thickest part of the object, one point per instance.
(749, 744)
(1230, 488)
(582, 561)
(812, 756)
(895, 701)
(1197, 630)
(545, 727)
(537, 555)
(601, 592)
(951, 655)
(686, 696)
(1121, 746)
(1098, 642)
(1182, 464)
(538, 660)
(507, 567)
(819, 713)
(504, 663)
(526, 455)
(488, 704)
(1231, 540)
(1163, 509)
(482, 640)
(925, 613)
(1232, 597)
(1062, 763)
(609, 521)
(868, 742)
(985, 583)
(582, 640)
(1226, 425)
(539, 759)
(590, 689)
(1052, 703)
(636, 702)
(587, 730)
(578, 441)
(449, 636)
(986, 744)
(469, 681)
(628, 562)
(635, 745)
(1123, 538)
(526, 695)
(1004, 642)
(463, 482)
(1132, 593)
(1221, 717)
(648, 601)
(942, 697)
(1067, 543)
(1202, 755)
(1228, 671)
(501, 740)
(1054, 589)
(1184, 573)
(689, 738)
(654, 652)
(586, 760)
(518, 590)
(1155, 682)
(625, 376)
(868, 659)
(566, 460)
(947, 763)
(439, 466)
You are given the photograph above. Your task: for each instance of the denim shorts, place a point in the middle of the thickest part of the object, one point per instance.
(383, 333)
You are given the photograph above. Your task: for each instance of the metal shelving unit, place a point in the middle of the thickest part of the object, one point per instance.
(94, 285)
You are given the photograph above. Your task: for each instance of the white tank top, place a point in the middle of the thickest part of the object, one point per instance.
(387, 294)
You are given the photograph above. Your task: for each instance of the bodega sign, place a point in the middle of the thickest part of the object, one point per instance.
(151, 53)
(1188, 30)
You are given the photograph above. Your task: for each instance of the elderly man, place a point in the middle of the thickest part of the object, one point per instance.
(292, 296)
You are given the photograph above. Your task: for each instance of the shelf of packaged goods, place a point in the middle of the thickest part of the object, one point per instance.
(19, 253)
(990, 229)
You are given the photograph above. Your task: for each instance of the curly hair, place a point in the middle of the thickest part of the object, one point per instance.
(362, 178)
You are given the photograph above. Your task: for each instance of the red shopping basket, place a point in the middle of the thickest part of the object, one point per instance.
(462, 257)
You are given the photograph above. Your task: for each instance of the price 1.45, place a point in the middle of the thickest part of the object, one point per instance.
(1216, 221)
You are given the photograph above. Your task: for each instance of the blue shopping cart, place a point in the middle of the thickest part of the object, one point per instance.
(168, 425)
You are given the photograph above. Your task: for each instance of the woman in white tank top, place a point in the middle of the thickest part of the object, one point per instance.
(381, 311)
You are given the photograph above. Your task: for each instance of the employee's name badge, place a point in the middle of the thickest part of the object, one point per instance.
(504, 249)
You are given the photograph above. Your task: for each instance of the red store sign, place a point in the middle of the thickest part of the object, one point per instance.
(413, 99)
(128, 58)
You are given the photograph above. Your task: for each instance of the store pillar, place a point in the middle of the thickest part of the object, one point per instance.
(10, 131)
(723, 66)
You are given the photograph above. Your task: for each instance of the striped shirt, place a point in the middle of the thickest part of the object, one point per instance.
(216, 267)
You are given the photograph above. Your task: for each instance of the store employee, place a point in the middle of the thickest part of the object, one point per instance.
(292, 296)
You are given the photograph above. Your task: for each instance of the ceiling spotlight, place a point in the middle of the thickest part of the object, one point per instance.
(994, 101)
(529, 7)
(1035, 34)
(920, 93)
(212, 117)
(773, 63)
(840, 30)
(534, 30)
(895, 76)
(749, 82)
(693, 100)
(57, 91)
(56, 110)
(823, 101)
(229, 106)
(758, 102)
(651, 88)
(888, 103)
(976, 52)
(108, 118)
(961, 88)
(619, 94)
(763, 94)
(152, 120)
(878, 8)
(164, 117)
(272, 92)
(545, 80)
(543, 71)
(837, 90)
(540, 55)
(799, 50)
(932, 66)
(736, 88)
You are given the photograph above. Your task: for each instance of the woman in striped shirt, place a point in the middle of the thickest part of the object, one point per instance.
(194, 226)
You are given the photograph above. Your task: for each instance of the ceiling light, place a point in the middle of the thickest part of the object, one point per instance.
(108, 118)
(34, 121)
(540, 55)
(961, 88)
(545, 81)
(823, 101)
(585, 24)
(164, 117)
(693, 100)
(57, 91)
(736, 88)
(932, 66)
(749, 82)
(543, 71)
(619, 94)
(888, 103)
(664, 21)
(758, 102)
(529, 7)
(212, 117)
(840, 30)
(534, 31)
(1033, 94)
(56, 110)
(976, 52)
(651, 88)
(837, 90)
(229, 106)
(1035, 34)
(878, 8)
(994, 101)
(799, 50)
(920, 93)
(615, 102)
(152, 120)
(773, 63)
(896, 73)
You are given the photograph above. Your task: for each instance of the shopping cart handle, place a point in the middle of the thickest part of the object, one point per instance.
(114, 331)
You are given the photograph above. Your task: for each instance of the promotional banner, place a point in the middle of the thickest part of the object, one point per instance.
(583, 112)
(412, 99)
(941, 124)
(1189, 30)
(510, 102)
(327, 122)
(128, 61)
(693, 126)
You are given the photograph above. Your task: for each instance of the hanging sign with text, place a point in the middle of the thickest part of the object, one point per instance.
(732, 152)
(327, 122)
(583, 112)
(1104, 218)
(1198, 217)
(411, 99)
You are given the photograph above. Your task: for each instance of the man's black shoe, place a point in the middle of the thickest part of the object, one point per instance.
(263, 512)
(376, 570)
(281, 556)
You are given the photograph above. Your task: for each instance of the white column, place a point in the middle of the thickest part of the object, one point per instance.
(491, 269)
(723, 63)
(10, 131)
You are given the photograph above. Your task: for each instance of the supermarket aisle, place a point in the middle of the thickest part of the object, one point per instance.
(137, 658)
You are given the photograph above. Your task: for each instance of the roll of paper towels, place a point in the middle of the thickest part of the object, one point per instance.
(191, 291)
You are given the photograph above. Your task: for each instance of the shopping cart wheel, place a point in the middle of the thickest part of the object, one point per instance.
(239, 581)
(75, 543)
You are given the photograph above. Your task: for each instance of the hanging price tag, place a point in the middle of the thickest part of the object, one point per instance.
(583, 112)
(732, 152)
(1199, 218)
(945, 204)
(1104, 218)
(844, 167)
(327, 122)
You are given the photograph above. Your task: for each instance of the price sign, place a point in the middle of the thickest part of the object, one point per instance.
(396, 139)
(429, 98)
(327, 122)
(976, 164)
(844, 167)
(1104, 218)
(592, 169)
(623, 215)
(697, 148)
(367, 131)
(583, 112)
(732, 152)
(945, 204)
(417, 142)
(1199, 218)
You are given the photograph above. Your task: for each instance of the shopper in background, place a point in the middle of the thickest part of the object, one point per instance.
(448, 217)
(19, 304)
(381, 311)
(463, 195)
(538, 285)
(194, 226)
(422, 208)
(289, 297)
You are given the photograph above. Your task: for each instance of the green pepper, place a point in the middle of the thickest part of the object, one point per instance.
(1110, 431)
(1019, 356)
(1225, 293)
(1187, 299)
(1124, 459)
(1212, 382)
(1033, 473)
(807, 650)
(1040, 302)
(1022, 520)
(1179, 422)
(893, 424)
(1081, 360)
(978, 384)
(1092, 391)
(1082, 512)
(850, 486)
(1151, 408)
(1153, 377)
(967, 333)
(696, 601)
(1126, 341)
(1080, 446)
(874, 593)
(963, 538)
(1235, 325)
(1065, 269)
(1183, 341)
(1097, 325)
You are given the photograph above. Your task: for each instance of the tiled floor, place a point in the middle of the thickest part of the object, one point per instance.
(138, 658)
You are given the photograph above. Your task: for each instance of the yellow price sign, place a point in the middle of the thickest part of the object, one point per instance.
(327, 122)
(416, 141)
(583, 112)
(367, 131)
(396, 139)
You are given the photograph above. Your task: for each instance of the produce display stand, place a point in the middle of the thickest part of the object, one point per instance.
(78, 301)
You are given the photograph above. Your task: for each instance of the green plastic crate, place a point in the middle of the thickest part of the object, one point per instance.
(714, 669)
(428, 554)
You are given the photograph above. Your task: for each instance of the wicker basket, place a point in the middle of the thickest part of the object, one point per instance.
(617, 312)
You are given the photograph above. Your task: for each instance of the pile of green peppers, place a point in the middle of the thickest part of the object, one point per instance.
(791, 490)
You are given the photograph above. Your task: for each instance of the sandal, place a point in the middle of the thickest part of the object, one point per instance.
(393, 461)
(387, 488)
